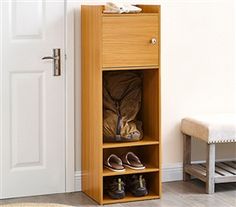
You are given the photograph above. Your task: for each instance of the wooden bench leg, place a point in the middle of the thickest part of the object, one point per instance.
(186, 155)
(210, 168)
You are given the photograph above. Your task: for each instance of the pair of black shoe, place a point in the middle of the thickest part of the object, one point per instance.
(116, 187)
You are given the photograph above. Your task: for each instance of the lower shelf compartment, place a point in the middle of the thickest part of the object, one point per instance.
(129, 197)
(152, 183)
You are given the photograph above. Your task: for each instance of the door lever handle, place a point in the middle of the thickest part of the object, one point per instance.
(50, 58)
(56, 61)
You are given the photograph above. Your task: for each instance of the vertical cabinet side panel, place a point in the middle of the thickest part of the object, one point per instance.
(91, 102)
(159, 106)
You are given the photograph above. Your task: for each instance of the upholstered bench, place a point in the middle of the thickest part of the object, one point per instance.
(212, 129)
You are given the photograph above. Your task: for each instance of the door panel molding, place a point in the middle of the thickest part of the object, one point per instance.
(27, 140)
(30, 24)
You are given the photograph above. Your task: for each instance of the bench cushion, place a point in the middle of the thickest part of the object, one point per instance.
(217, 128)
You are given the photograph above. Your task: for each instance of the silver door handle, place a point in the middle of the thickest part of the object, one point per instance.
(50, 58)
(56, 61)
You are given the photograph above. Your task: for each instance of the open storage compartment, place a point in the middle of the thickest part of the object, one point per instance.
(152, 182)
(149, 111)
(148, 155)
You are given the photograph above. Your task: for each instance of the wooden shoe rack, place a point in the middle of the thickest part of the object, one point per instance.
(120, 42)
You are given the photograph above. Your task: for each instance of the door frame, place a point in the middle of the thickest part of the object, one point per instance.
(70, 98)
(1, 53)
(69, 102)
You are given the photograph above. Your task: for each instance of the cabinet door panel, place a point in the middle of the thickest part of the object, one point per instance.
(127, 40)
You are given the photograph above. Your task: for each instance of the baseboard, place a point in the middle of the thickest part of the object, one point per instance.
(78, 181)
(170, 172)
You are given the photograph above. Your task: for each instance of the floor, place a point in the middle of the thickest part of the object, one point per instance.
(175, 194)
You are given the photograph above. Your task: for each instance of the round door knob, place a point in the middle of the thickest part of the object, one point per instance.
(153, 41)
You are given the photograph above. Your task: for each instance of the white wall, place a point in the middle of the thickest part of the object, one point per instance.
(198, 73)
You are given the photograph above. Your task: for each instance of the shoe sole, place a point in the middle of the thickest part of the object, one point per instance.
(117, 195)
(114, 170)
(134, 168)
(140, 193)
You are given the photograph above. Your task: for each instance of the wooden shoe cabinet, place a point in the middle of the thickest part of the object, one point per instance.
(120, 42)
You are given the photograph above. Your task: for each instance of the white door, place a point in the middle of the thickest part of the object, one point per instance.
(33, 99)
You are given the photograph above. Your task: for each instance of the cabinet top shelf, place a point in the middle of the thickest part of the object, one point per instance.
(128, 14)
(146, 10)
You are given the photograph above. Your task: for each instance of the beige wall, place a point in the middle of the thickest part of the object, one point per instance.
(198, 73)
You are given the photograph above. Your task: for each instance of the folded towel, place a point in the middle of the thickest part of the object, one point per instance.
(111, 7)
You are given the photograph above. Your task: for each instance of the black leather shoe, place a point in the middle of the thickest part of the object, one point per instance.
(137, 185)
(115, 188)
